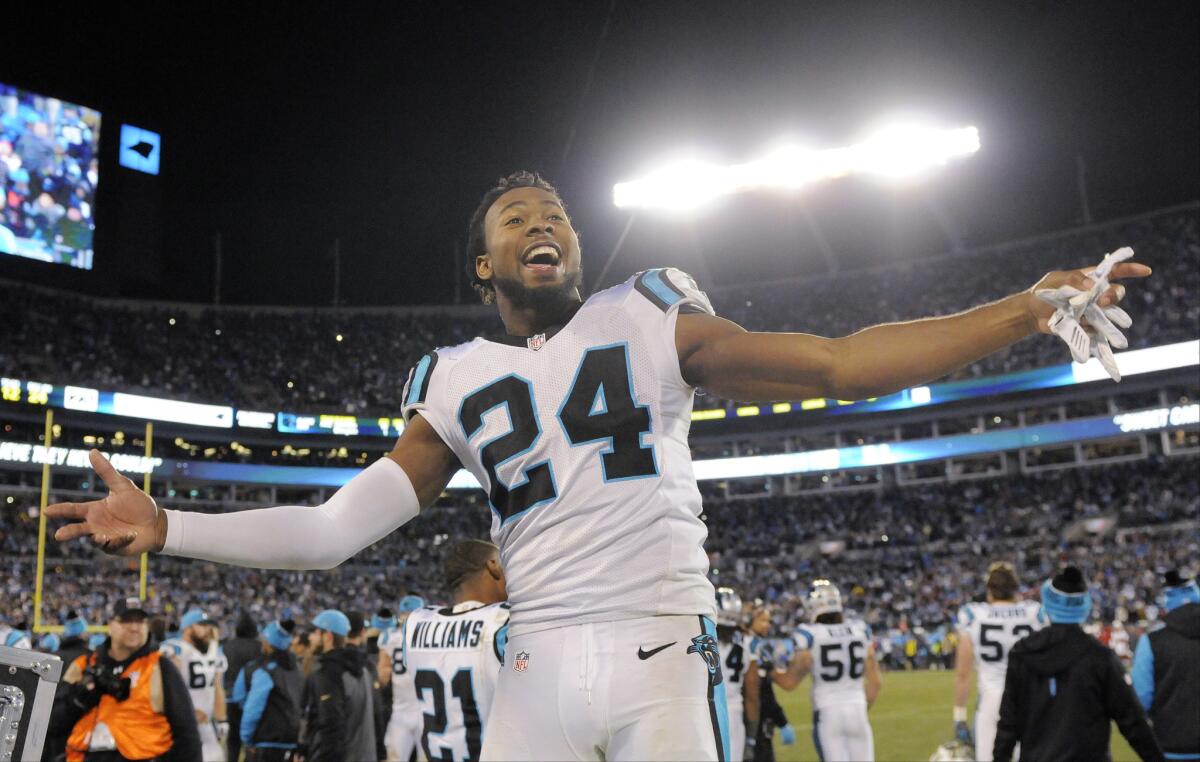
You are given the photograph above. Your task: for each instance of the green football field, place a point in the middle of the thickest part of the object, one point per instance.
(910, 719)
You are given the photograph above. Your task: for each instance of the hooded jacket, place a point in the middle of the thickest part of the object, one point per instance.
(339, 708)
(1060, 691)
(1166, 673)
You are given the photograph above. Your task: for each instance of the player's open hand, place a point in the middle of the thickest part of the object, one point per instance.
(126, 523)
(1041, 311)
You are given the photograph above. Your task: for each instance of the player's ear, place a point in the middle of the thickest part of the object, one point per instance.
(494, 570)
(483, 266)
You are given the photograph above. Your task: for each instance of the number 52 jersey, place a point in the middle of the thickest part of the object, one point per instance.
(579, 435)
(994, 628)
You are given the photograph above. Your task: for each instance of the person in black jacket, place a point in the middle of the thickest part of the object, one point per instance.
(239, 651)
(339, 706)
(270, 717)
(1063, 686)
(1166, 670)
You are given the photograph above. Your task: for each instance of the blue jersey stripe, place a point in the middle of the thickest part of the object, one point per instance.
(415, 393)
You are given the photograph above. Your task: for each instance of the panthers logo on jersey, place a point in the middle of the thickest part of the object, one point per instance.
(706, 646)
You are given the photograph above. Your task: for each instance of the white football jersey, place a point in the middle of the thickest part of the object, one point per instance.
(839, 661)
(404, 699)
(736, 658)
(994, 628)
(201, 671)
(454, 656)
(580, 437)
(14, 638)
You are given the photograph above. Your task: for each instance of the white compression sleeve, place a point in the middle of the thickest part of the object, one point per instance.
(372, 505)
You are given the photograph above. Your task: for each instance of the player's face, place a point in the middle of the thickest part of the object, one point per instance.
(200, 635)
(533, 252)
(761, 624)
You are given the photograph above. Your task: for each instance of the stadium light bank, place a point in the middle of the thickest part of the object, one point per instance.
(896, 152)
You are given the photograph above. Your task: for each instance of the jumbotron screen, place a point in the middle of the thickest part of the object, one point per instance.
(49, 168)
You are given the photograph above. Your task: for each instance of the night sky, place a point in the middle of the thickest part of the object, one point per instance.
(381, 124)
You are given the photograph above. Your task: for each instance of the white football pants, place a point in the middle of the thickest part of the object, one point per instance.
(842, 733)
(402, 735)
(636, 689)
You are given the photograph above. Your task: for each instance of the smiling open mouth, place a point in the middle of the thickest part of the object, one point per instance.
(542, 257)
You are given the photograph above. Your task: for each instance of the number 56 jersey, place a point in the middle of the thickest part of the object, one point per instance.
(579, 435)
(839, 654)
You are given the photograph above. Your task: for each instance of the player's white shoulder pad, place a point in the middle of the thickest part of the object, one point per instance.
(668, 289)
(172, 647)
(427, 374)
(803, 638)
(966, 615)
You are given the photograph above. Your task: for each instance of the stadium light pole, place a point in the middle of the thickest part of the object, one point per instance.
(897, 152)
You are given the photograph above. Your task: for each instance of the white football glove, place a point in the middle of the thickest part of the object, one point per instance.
(1102, 333)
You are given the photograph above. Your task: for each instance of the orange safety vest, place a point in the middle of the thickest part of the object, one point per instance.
(140, 732)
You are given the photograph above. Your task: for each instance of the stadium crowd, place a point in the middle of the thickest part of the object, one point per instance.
(293, 359)
(48, 176)
(911, 556)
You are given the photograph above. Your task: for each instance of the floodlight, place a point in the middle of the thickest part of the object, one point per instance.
(898, 151)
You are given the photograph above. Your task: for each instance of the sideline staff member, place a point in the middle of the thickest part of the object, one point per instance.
(1063, 686)
(1166, 670)
(124, 701)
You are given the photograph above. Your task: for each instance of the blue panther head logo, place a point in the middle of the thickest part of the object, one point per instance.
(706, 646)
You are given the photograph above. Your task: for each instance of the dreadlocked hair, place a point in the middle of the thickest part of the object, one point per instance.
(476, 240)
(465, 558)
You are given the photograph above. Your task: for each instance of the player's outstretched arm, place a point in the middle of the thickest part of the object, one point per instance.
(737, 364)
(372, 505)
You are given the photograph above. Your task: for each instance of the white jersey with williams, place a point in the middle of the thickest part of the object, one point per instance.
(839, 661)
(454, 656)
(994, 628)
(580, 437)
(201, 671)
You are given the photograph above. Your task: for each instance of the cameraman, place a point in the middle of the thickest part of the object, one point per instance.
(125, 702)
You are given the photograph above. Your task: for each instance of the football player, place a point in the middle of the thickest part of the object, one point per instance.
(575, 422)
(14, 637)
(404, 725)
(454, 654)
(199, 658)
(846, 680)
(737, 660)
(986, 633)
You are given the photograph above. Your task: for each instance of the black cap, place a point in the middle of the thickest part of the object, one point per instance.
(1070, 580)
(126, 607)
(1174, 579)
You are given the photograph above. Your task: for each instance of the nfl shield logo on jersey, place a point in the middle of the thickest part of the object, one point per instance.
(522, 661)
(536, 342)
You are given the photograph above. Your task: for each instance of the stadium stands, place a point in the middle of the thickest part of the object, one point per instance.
(290, 359)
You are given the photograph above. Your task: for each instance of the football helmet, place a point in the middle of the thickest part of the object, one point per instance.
(953, 751)
(823, 598)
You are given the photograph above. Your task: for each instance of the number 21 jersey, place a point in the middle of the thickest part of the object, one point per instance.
(579, 435)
